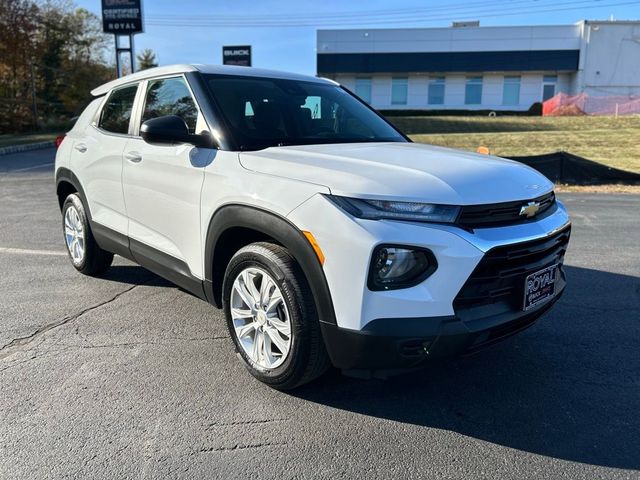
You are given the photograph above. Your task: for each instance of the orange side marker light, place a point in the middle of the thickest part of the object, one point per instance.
(314, 244)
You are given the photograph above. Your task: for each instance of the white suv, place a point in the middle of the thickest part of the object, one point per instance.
(325, 235)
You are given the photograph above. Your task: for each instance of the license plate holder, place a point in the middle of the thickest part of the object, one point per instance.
(540, 287)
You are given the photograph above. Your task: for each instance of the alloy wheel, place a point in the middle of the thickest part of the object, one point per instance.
(261, 318)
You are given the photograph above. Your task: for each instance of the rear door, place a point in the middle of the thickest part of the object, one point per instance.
(96, 158)
(162, 183)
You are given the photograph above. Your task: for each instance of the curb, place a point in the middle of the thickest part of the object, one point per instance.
(26, 148)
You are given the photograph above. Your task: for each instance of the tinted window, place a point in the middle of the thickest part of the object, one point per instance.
(117, 111)
(511, 90)
(436, 91)
(264, 112)
(363, 89)
(473, 91)
(170, 96)
(399, 90)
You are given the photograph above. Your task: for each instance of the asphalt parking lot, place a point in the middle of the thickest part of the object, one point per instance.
(127, 376)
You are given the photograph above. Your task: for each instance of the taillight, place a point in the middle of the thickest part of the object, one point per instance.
(59, 140)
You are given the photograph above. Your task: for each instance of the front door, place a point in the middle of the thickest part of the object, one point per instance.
(162, 184)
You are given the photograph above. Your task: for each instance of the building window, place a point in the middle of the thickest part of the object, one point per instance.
(399, 90)
(473, 91)
(511, 90)
(363, 89)
(436, 91)
(549, 87)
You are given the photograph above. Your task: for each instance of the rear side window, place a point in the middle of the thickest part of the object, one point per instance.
(117, 111)
(170, 96)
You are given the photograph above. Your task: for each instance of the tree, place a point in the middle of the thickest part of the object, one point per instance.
(51, 49)
(146, 59)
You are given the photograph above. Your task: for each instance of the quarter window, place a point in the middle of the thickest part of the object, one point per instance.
(436, 91)
(399, 90)
(170, 96)
(116, 113)
(473, 91)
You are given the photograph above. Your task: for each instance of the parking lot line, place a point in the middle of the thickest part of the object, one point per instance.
(24, 251)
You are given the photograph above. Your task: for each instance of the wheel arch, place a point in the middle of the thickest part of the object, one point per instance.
(66, 184)
(234, 225)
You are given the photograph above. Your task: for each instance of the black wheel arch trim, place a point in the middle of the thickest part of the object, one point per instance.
(65, 175)
(278, 228)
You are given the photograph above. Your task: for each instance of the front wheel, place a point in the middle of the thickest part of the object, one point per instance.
(85, 254)
(272, 317)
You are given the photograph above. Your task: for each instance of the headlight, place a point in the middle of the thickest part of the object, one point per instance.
(394, 267)
(392, 210)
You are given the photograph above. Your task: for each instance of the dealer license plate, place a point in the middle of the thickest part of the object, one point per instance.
(540, 287)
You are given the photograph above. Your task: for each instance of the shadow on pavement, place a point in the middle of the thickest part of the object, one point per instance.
(135, 275)
(566, 388)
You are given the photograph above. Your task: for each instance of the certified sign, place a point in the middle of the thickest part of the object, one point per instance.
(239, 55)
(121, 16)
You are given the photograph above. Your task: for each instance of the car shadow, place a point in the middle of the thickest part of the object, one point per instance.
(566, 388)
(135, 275)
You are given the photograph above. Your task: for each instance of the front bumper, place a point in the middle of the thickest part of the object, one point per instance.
(391, 344)
(488, 308)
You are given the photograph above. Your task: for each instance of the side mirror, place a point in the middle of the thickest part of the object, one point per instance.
(170, 130)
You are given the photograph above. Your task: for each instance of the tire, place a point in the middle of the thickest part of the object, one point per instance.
(306, 357)
(85, 254)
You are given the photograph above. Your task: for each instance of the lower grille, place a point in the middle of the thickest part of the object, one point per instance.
(496, 286)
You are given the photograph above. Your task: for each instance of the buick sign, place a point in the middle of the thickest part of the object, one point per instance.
(237, 55)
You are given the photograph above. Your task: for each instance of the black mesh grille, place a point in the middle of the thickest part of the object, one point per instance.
(496, 285)
(477, 216)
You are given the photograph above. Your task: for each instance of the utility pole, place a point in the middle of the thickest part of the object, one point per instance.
(33, 96)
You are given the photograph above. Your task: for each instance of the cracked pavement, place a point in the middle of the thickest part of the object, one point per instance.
(127, 376)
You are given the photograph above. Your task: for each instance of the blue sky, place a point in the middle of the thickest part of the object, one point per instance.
(293, 48)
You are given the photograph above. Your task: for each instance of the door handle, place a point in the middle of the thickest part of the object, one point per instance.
(133, 157)
(81, 147)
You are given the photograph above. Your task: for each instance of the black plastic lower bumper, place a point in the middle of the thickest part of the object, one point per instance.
(405, 343)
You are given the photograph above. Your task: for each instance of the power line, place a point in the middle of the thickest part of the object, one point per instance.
(240, 22)
(344, 15)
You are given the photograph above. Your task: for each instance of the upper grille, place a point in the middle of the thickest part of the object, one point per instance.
(476, 216)
(497, 284)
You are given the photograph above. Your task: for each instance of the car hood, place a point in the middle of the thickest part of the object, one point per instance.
(403, 171)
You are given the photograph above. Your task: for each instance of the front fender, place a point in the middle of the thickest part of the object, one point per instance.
(282, 231)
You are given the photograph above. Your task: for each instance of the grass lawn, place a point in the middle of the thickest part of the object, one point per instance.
(609, 140)
(7, 140)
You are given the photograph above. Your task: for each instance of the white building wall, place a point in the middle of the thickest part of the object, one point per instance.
(610, 63)
(454, 93)
(609, 60)
(467, 39)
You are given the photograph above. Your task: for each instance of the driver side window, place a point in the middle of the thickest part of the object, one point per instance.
(170, 96)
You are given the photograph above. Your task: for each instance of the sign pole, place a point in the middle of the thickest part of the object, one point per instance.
(132, 53)
(122, 18)
(118, 66)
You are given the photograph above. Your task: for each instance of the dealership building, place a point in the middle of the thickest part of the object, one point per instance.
(470, 67)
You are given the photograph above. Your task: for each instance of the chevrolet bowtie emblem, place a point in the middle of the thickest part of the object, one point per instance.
(530, 209)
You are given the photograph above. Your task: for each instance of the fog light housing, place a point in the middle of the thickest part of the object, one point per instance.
(393, 267)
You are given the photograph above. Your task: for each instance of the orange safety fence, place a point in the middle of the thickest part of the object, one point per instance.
(584, 104)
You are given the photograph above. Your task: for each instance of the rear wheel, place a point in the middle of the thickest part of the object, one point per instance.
(272, 318)
(85, 254)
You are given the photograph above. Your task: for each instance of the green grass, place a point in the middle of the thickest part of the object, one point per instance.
(608, 140)
(7, 140)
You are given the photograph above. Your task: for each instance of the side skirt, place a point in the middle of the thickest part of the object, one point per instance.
(160, 263)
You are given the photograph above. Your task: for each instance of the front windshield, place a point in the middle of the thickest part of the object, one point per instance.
(268, 112)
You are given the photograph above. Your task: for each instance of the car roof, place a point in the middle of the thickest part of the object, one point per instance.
(215, 69)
